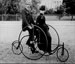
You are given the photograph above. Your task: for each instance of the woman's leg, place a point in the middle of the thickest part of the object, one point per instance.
(49, 41)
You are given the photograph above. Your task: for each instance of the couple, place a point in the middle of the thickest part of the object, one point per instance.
(27, 20)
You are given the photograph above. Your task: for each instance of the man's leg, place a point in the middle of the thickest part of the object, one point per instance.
(23, 27)
(30, 37)
(30, 42)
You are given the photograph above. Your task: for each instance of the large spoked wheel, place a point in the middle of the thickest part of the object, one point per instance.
(40, 47)
(62, 55)
(16, 50)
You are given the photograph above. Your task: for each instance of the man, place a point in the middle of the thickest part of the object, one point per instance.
(41, 22)
(27, 19)
(27, 22)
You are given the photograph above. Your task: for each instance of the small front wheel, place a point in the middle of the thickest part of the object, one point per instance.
(62, 55)
(14, 48)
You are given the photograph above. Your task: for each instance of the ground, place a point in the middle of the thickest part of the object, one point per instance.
(9, 31)
(56, 18)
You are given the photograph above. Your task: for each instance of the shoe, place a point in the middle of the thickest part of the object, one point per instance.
(34, 51)
(50, 52)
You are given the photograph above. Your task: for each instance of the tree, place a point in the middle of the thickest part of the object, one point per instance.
(33, 4)
(60, 11)
(3, 6)
(70, 7)
(13, 7)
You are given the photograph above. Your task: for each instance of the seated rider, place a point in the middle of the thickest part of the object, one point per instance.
(41, 22)
(27, 22)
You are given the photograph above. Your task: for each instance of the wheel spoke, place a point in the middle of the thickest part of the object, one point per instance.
(14, 48)
(62, 55)
(27, 52)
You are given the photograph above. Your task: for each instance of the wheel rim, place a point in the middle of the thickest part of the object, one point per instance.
(26, 49)
(64, 57)
(14, 48)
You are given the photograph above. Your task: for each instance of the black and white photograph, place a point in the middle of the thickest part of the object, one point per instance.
(37, 31)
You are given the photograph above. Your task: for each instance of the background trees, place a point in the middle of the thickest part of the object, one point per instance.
(32, 4)
(8, 6)
(15, 6)
(70, 7)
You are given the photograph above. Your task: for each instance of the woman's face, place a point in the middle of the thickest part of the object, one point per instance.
(42, 12)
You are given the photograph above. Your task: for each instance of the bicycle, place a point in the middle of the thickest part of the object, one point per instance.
(62, 52)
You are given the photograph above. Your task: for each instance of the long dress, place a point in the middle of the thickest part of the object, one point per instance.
(41, 23)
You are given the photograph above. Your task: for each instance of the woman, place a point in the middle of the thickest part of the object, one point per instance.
(41, 22)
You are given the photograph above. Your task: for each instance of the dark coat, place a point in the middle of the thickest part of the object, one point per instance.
(41, 21)
(27, 18)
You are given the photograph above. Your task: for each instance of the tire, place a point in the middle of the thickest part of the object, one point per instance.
(62, 58)
(27, 50)
(14, 48)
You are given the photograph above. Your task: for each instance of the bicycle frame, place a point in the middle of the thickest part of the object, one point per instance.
(58, 48)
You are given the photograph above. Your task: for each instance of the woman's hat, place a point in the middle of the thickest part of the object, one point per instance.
(42, 8)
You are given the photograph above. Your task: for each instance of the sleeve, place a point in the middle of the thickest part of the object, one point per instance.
(37, 20)
(31, 19)
(24, 20)
(43, 19)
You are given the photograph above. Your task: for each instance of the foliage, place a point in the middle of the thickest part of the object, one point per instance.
(33, 5)
(15, 6)
(60, 9)
(70, 7)
(6, 4)
(50, 11)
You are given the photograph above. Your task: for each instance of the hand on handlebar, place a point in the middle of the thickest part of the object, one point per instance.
(30, 27)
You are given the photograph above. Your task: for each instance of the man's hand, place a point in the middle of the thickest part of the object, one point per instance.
(30, 27)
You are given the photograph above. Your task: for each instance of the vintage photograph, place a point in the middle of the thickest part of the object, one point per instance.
(37, 31)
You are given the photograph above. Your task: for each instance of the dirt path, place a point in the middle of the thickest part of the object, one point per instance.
(9, 32)
(7, 56)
